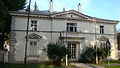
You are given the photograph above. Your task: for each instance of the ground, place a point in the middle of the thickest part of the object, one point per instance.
(113, 64)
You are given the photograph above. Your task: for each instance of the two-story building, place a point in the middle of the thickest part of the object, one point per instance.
(75, 29)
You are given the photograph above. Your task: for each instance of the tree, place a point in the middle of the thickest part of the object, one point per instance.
(3, 15)
(56, 52)
(14, 5)
(5, 19)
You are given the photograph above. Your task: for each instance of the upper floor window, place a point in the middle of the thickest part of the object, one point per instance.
(34, 25)
(101, 29)
(72, 27)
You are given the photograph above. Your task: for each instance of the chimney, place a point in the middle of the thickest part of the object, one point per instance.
(51, 6)
(35, 7)
(63, 9)
(79, 8)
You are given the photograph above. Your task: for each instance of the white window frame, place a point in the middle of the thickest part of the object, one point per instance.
(34, 25)
(102, 43)
(72, 27)
(72, 48)
(101, 29)
(33, 48)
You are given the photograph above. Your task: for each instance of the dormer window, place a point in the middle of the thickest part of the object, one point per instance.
(72, 27)
(34, 25)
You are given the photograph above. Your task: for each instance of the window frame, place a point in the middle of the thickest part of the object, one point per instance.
(72, 48)
(71, 27)
(101, 29)
(33, 48)
(34, 25)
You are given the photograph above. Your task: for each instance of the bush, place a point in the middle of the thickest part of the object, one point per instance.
(88, 56)
(56, 52)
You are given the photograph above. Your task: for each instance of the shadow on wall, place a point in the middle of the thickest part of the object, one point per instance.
(118, 56)
(1, 56)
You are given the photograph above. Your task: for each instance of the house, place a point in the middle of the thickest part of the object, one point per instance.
(75, 29)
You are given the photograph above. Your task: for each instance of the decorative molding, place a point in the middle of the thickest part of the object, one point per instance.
(34, 36)
(62, 32)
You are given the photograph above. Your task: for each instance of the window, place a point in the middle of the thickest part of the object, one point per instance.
(34, 25)
(102, 44)
(72, 48)
(33, 48)
(101, 29)
(72, 27)
(33, 43)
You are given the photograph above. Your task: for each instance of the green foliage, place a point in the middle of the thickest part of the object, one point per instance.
(88, 56)
(9, 65)
(56, 52)
(114, 66)
(5, 6)
(14, 5)
(103, 52)
(5, 19)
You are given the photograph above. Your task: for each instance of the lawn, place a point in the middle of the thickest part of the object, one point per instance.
(116, 66)
(110, 62)
(9, 65)
(113, 64)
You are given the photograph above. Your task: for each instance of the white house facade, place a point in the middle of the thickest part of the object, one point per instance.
(76, 30)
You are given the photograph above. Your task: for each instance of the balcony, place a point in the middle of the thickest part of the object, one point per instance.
(71, 36)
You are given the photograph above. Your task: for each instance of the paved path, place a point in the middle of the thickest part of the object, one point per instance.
(81, 65)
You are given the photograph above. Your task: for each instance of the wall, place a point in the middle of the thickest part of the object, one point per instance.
(84, 29)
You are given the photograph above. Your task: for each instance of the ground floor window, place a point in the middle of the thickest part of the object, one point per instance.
(72, 48)
(33, 48)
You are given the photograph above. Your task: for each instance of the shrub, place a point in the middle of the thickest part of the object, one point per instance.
(56, 52)
(88, 56)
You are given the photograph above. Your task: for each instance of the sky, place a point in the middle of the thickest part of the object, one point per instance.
(105, 9)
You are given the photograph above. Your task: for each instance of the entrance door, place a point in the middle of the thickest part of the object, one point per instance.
(72, 48)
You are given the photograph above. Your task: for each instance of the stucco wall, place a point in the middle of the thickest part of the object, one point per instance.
(85, 29)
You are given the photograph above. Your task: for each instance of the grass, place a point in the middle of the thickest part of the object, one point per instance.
(9, 65)
(115, 61)
(104, 63)
(116, 66)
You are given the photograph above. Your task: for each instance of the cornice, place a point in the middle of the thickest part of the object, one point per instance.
(62, 32)
(51, 16)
